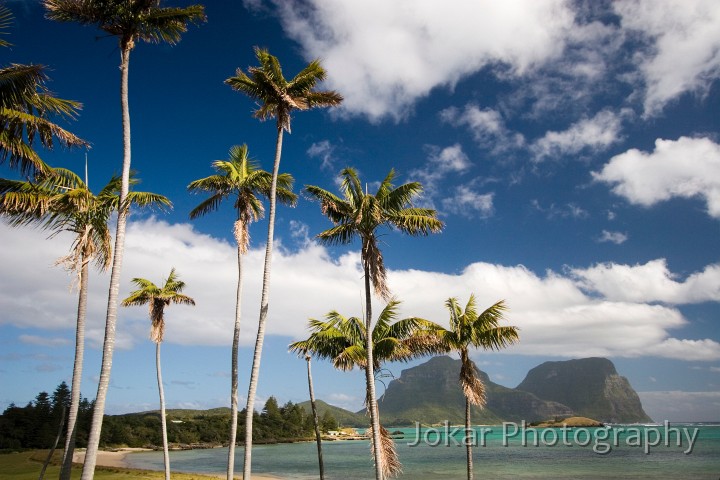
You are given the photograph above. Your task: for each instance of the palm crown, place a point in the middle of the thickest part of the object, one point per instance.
(63, 202)
(468, 329)
(342, 340)
(158, 298)
(278, 97)
(128, 20)
(242, 177)
(360, 214)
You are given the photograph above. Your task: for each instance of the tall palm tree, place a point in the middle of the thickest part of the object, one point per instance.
(130, 21)
(344, 341)
(158, 298)
(242, 178)
(469, 329)
(277, 98)
(63, 202)
(360, 214)
(26, 106)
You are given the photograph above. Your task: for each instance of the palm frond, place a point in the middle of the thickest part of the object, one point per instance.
(390, 462)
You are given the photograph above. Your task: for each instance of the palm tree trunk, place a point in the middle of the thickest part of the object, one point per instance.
(316, 422)
(234, 380)
(468, 440)
(370, 379)
(111, 318)
(264, 305)
(163, 420)
(70, 435)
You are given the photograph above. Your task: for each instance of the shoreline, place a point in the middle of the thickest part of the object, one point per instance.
(118, 459)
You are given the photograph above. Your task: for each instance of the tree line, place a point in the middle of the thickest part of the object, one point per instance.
(36, 425)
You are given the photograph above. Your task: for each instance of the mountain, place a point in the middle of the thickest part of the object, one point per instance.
(590, 386)
(345, 418)
(430, 393)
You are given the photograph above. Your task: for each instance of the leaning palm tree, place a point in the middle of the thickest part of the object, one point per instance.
(242, 178)
(130, 21)
(469, 329)
(277, 98)
(360, 214)
(158, 298)
(62, 202)
(26, 106)
(344, 341)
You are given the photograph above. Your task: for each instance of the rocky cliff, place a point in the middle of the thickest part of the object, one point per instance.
(430, 393)
(591, 387)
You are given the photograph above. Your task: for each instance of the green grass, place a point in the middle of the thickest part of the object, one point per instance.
(27, 466)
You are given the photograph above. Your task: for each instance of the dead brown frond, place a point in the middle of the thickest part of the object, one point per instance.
(157, 317)
(390, 462)
(473, 387)
(242, 236)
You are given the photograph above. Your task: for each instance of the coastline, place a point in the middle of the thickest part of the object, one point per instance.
(118, 459)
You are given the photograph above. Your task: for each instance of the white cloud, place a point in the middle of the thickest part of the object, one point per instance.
(685, 168)
(617, 238)
(468, 203)
(553, 310)
(651, 282)
(463, 199)
(685, 51)
(382, 56)
(487, 127)
(589, 134)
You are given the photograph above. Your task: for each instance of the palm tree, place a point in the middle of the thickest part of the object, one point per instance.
(470, 329)
(25, 108)
(360, 214)
(63, 202)
(159, 298)
(130, 21)
(344, 342)
(242, 178)
(313, 407)
(277, 98)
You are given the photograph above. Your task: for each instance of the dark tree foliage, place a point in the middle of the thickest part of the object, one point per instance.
(36, 424)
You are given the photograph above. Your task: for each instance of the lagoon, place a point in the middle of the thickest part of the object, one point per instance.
(437, 453)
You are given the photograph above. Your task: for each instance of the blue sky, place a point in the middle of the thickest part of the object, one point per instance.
(571, 148)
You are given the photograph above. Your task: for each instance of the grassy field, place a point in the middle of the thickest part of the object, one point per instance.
(27, 466)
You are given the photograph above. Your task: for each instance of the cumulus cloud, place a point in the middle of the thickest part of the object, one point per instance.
(577, 314)
(464, 199)
(651, 282)
(589, 134)
(486, 125)
(682, 55)
(469, 203)
(383, 56)
(685, 168)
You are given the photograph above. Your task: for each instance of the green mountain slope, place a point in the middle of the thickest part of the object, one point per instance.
(345, 418)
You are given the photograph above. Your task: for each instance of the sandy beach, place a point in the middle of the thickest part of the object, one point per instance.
(116, 458)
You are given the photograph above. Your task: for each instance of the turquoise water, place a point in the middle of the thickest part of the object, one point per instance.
(502, 452)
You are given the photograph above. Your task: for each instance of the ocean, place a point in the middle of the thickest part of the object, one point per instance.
(508, 451)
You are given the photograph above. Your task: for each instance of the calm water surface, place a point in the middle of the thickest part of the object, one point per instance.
(508, 453)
